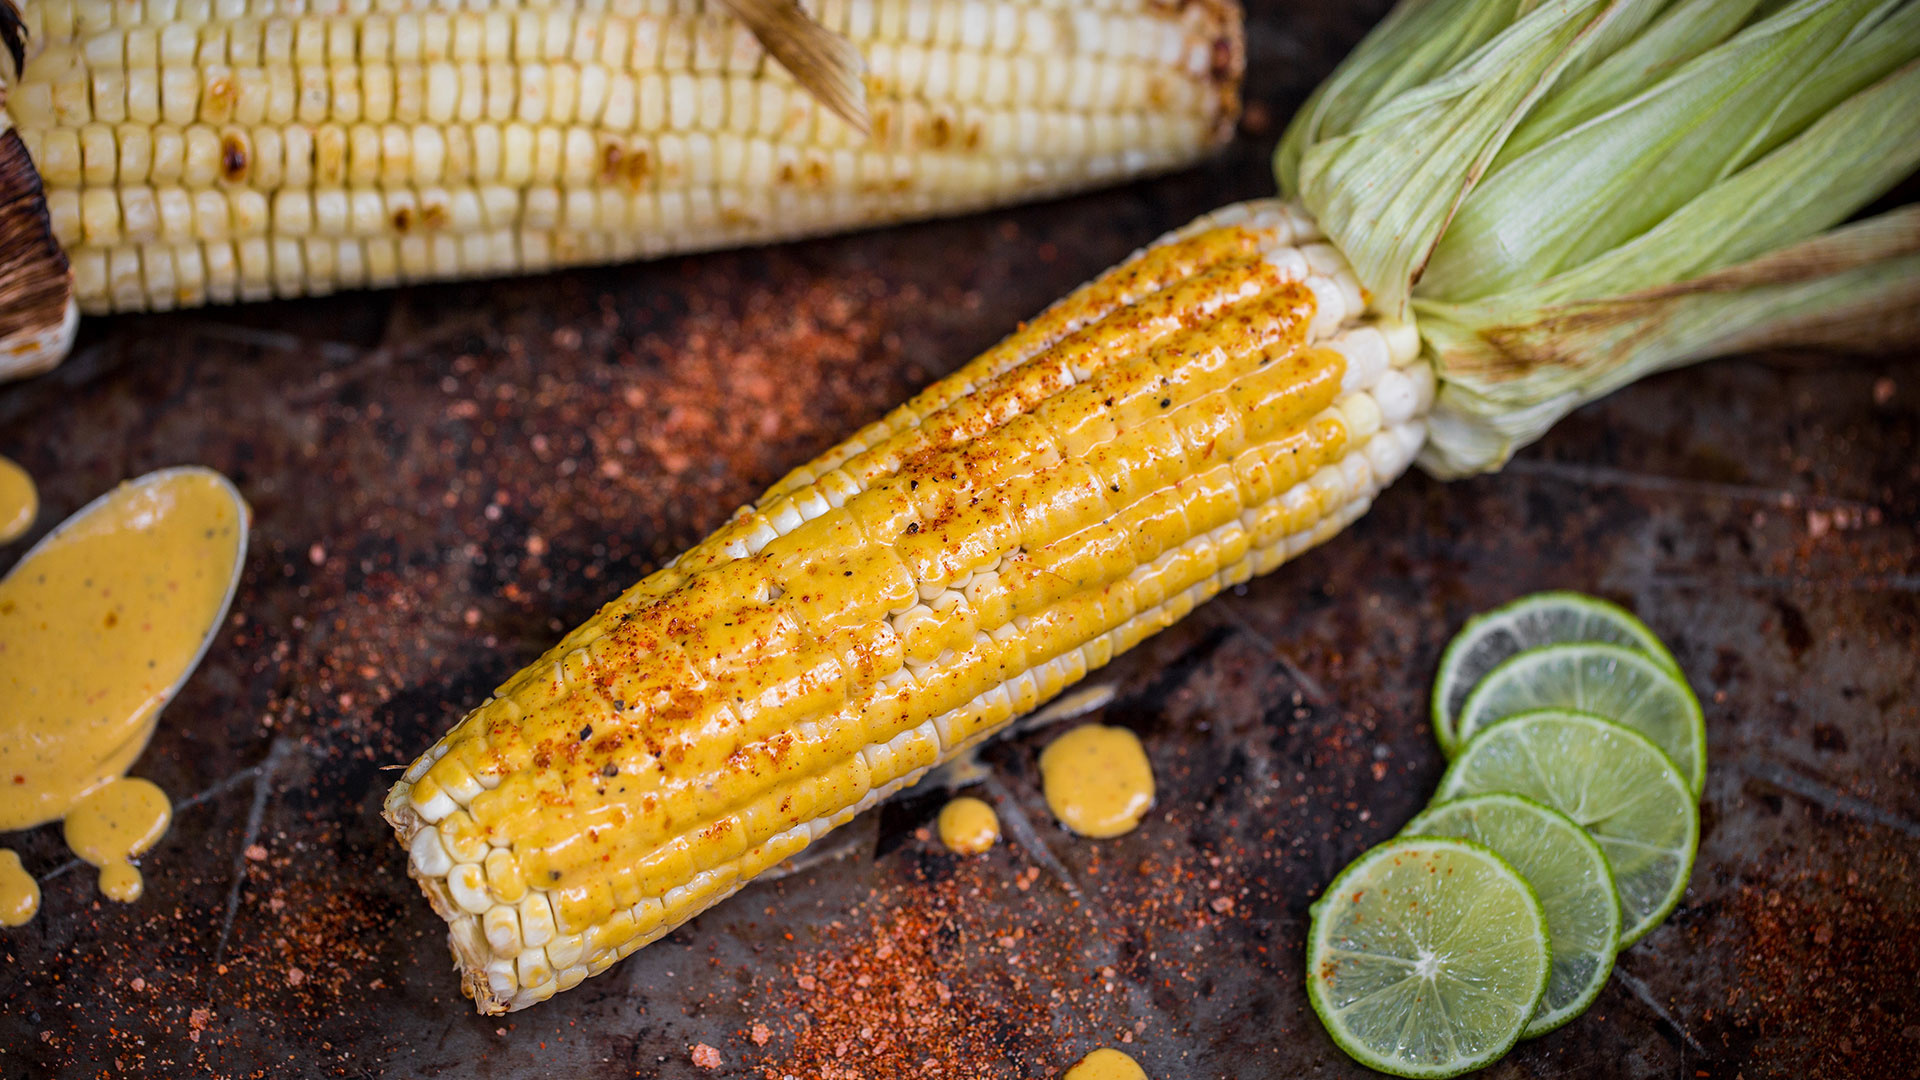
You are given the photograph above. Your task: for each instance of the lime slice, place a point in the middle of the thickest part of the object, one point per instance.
(1606, 680)
(1427, 956)
(1545, 618)
(1568, 873)
(1617, 784)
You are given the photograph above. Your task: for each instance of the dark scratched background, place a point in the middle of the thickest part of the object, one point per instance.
(445, 478)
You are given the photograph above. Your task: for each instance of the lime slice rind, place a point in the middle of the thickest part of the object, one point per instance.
(1618, 684)
(1544, 618)
(1616, 783)
(1426, 957)
(1570, 876)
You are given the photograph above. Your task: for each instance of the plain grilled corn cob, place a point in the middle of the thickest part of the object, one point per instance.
(196, 151)
(1218, 403)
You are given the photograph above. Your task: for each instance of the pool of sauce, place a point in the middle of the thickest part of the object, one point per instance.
(1097, 780)
(969, 826)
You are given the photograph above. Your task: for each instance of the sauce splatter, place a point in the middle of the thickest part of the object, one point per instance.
(969, 826)
(1106, 1064)
(19, 893)
(114, 824)
(1097, 780)
(99, 625)
(19, 502)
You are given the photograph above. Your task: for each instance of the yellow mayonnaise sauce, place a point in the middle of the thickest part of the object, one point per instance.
(1106, 1064)
(99, 625)
(969, 826)
(1097, 780)
(19, 502)
(113, 824)
(19, 893)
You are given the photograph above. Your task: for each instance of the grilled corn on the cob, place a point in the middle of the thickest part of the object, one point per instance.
(1223, 400)
(194, 151)
(1214, 405)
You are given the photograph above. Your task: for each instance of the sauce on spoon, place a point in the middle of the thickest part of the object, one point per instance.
(99, 625)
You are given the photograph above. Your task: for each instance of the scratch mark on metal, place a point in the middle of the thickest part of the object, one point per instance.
(1827, 798)
(1024, 834)
(279, 341)
(218, 788)
(1605, 476)
(70, 864)
(1633, 983)
(262, 787)
(224, 786)
(1890, 583)
(1316, 694)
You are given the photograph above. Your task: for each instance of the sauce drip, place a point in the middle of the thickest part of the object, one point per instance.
(99, 624)
(969, 826)
(1097, 780)
(19, 893)
(115, 823)
(1106, 1064)
(19, 502)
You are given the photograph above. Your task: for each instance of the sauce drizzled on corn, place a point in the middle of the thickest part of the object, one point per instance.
(1221, 402)
(99, 625)
(1098, 780)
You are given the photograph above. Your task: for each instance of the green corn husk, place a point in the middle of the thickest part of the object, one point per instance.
(1569, 196)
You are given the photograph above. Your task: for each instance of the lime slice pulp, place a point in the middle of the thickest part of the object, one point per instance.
(1427, 957)
(1569, 874)
(1622, 685)
(1544, 618)
(1624, 790)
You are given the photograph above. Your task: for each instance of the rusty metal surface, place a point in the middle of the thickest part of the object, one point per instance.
(445, 478)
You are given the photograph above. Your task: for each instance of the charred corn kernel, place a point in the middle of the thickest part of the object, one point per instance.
(1191, 418)
(588, 135)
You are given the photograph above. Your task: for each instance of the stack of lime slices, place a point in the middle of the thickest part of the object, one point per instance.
(1563, 831)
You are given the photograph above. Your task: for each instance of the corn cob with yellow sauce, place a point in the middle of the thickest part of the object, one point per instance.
(197, 151)
(1223, 400)
(1216, 404)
